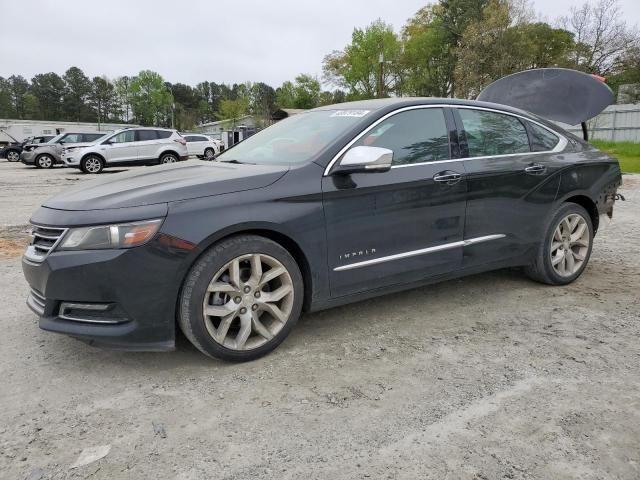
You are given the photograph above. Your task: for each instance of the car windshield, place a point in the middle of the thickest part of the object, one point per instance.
(294, 140)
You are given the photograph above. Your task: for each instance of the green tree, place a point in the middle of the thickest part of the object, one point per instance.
(18, 89)
(358, 67)
(102, 98)
(304, 92)
(285, 95)
(262, 99)
(151, 100)
(6, 106)
(76, 93)
(122, 89)
(232, 110)
(48, 88)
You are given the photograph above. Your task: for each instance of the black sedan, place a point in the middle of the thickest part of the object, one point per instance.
(327, 207)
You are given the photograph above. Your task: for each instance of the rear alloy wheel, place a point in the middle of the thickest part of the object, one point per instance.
(564, 254)
(44, 161)
(241, 299)
(209, 154)
(13, 156)
(168, 158)
(92, 164)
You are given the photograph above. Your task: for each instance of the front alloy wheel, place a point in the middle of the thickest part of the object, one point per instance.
(92, 164)
(241, 299)
(44, 161)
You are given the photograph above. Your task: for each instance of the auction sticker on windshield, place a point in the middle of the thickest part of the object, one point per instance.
(350, 113)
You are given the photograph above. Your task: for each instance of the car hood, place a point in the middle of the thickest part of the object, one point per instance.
(166, 183)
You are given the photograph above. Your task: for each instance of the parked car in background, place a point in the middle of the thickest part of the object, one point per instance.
(129, 147)
(12, 151)
(202, 146)
(46, 155)
(337, 204)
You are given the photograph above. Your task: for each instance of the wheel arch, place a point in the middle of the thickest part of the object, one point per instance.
(94, 154)
(588, 204)
(266, 230)
(173, 152)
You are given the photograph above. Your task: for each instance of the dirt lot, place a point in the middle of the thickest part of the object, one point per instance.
(488, 377)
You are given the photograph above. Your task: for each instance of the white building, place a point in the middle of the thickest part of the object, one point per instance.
(12, 130)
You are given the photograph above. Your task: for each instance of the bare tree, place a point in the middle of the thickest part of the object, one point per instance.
(601, 35)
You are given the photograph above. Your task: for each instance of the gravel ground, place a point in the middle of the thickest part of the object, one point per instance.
(487, 377)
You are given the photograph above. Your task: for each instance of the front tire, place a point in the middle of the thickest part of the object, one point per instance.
(566, 249)
(92, 164)
(45, 161)
(241, 299)
(209, 154)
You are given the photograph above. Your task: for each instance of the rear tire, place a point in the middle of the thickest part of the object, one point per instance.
(241, 299)
(566, 249)
(92, 164)
(168, 158)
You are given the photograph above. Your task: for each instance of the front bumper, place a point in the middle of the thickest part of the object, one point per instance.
(120, 299)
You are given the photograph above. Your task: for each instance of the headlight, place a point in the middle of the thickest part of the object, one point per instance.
(124, 235)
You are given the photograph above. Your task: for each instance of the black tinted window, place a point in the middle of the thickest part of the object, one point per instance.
(490, 133)
(144, 135)
(190, 138)
(90, 137)
(542, 139)
(163, 133)
(414, 136)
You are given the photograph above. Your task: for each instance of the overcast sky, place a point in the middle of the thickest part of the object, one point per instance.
(190, 41)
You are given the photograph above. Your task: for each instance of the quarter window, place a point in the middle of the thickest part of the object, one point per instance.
(542, 140)
(491, 133)
(415, 136)
(163, 133)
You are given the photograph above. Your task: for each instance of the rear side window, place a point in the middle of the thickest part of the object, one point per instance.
(491, 133)
(542, 140)
(144, 135)
(415, 136)
(163, 133)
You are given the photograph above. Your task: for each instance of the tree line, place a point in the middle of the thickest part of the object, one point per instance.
(449, 48)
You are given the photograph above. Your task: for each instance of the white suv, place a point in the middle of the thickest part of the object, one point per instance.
(128, 147)
(202, 146)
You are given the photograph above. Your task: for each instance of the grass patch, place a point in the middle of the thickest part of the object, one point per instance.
(627, 153)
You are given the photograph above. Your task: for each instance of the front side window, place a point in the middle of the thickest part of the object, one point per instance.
(492, 133)
(415, 136)
(542, 140)
(72, 138)
(124, 137)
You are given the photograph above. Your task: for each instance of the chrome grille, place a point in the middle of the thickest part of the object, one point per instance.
(36, 302)
(43, 241)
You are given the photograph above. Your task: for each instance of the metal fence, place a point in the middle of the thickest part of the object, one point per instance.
(618, 123)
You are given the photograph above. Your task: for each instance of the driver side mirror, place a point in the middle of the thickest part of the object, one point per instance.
(365, 159)
(107, 142)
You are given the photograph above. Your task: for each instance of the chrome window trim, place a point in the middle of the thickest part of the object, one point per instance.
(421, 251)
(562, 141)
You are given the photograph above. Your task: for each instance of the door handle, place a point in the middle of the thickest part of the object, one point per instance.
(448, 178)
(535, 169)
